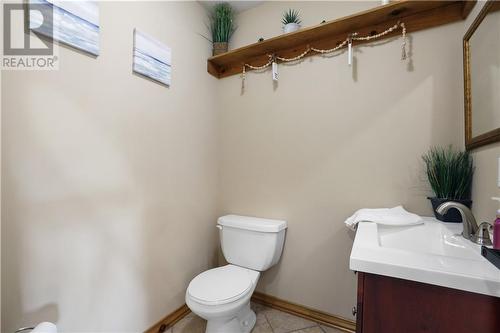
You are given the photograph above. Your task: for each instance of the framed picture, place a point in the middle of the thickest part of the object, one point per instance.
(152, 59)
(75, 23)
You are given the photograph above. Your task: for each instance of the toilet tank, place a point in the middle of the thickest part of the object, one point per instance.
(251, 242)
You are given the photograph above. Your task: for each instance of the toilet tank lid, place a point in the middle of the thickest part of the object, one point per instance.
(252, 223)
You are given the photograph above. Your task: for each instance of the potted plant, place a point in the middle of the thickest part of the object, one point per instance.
(291, 21)
(221, 27)
(450, 175)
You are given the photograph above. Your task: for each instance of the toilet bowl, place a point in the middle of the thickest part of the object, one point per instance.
(222, 295)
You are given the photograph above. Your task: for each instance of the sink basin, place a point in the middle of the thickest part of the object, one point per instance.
(433, 252)
(430, 238)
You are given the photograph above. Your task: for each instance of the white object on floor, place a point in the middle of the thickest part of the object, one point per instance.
(45, 327)
(396, 216)
(222, 295)
(434, 253)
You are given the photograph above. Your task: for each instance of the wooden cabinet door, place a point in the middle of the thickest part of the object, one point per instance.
(391, 305)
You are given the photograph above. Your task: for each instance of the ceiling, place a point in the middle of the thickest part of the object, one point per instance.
(238, 6)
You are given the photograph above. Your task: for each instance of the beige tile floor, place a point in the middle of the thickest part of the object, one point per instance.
(268, 321)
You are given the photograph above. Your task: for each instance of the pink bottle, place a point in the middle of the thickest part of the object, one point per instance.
(496, 228)
(496, 232)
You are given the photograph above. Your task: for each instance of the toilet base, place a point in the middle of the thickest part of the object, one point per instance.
(243, 322)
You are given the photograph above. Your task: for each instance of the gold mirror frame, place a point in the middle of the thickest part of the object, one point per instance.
(493, 135)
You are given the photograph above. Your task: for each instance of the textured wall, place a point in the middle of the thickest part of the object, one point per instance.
(329, 139)
(109, 179)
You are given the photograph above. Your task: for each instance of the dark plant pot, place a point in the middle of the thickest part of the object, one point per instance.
(453, 215)
(219, 48)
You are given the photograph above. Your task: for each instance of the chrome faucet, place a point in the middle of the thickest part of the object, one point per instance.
(473, 232)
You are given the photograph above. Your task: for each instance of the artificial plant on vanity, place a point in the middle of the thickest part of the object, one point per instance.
(449, 172)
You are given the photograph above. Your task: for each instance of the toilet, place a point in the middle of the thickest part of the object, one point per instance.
(222, 295)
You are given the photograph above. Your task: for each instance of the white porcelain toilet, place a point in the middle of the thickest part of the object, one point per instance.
(222, 295)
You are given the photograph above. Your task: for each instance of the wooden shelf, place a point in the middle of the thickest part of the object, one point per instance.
(417, 15)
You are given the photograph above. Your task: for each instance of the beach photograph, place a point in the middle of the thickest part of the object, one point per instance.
(152, 58)
(75, 23)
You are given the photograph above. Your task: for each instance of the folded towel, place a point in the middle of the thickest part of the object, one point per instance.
(396, 216)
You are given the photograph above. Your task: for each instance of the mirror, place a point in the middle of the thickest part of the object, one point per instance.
(482, 77)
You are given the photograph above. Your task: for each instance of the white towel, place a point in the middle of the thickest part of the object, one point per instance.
(396, 216)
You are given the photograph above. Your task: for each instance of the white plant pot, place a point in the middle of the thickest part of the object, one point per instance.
(291, 27)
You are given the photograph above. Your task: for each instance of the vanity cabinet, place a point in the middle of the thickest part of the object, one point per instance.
(391, 305)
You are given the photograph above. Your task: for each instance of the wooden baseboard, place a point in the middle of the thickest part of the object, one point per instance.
(272, 302)
(169, 320)
(305, 312)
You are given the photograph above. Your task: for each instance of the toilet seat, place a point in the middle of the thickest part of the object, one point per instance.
(221, 285)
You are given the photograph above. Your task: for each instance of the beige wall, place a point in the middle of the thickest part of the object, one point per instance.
(109, 179)
(330, 139)
(484, 185)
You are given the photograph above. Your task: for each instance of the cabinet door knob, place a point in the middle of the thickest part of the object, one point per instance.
(354, 310)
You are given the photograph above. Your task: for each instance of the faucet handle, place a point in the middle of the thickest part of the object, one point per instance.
(482, 235)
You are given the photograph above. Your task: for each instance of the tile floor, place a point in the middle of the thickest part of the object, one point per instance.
(268, 321)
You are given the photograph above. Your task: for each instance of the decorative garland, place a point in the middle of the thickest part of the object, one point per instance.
(352, 37)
